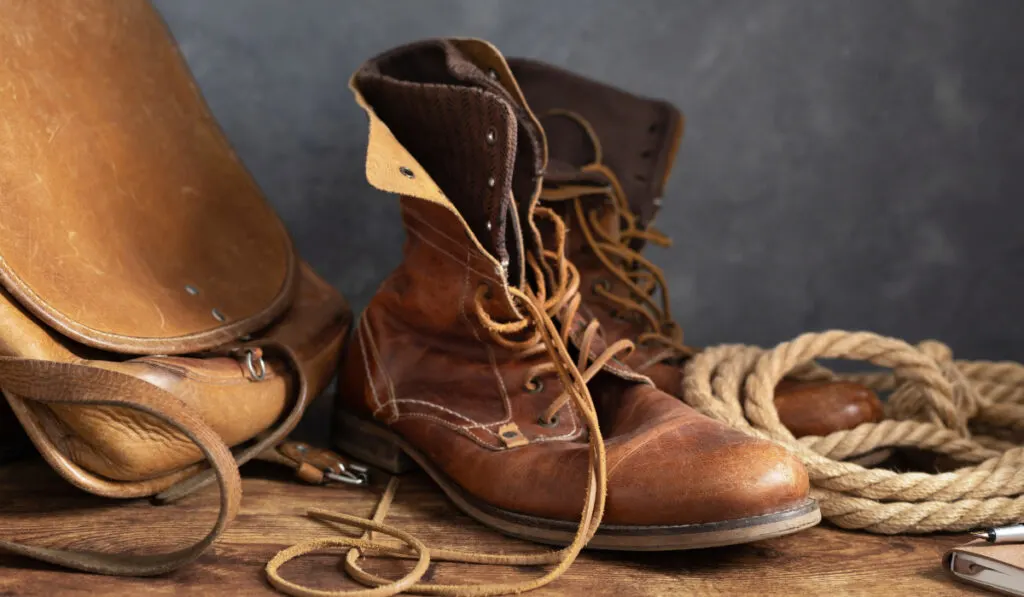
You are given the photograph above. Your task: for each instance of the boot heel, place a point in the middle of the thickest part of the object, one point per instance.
(367, 442)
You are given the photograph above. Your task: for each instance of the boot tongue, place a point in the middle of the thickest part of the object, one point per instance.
(455, 108)
(638, 136)
(529, 161)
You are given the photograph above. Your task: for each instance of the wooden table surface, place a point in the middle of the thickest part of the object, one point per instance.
(37, 506)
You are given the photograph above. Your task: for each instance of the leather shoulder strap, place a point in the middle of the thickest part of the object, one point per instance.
(64, 383)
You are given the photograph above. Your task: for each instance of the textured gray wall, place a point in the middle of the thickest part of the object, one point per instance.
(853, 164)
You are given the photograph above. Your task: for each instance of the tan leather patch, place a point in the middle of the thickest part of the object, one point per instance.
(511, 436)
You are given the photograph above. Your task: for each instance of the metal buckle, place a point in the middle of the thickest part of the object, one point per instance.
(251, 359)
(328, 463)
(353, 474)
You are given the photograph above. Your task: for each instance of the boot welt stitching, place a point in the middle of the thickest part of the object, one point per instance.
(456, 428)
(366, 363)
(474, 424)
(506, 403)
(384, 372)
(422, 237)
(573, 432)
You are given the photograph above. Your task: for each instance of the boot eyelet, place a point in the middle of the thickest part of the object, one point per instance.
(534, 385)
(492, 136)
(552, 423)
(600, 283)
(406, 172)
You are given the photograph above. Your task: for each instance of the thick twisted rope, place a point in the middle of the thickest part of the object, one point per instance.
(971, 412)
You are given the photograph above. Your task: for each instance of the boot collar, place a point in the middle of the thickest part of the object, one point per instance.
(458, 133)
(638, 137)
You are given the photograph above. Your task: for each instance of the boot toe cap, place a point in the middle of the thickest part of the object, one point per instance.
(698, 471)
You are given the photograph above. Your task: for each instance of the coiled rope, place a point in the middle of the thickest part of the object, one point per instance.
(968, 411)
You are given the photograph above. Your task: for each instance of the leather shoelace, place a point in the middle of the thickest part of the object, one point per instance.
(556, 297)
(613, 246)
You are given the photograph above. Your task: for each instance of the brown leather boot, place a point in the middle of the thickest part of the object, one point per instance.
(610, 155)
(472, 363)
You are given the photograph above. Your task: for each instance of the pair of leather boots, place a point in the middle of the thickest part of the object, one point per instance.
(523, 353)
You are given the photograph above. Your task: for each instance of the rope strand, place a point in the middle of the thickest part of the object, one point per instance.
(934, 406)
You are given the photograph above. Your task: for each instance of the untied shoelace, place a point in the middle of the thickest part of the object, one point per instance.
(555, 296)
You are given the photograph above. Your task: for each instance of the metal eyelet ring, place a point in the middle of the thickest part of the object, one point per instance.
(492, 136)
(257, 368)
(552, 423)
(600, 283)
(534, 385)
(406, 172)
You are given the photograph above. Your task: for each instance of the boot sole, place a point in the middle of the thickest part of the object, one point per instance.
(377, 446)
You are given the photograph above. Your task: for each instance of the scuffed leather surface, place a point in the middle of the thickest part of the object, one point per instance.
(820, 408)
(421, 363)
(638, 153)
(118, 190)
(119, 444)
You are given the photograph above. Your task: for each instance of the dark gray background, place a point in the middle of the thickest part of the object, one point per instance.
(847, 163)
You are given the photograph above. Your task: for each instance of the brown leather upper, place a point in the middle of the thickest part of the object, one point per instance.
(422, 362)
(639, 138)
(639, 135)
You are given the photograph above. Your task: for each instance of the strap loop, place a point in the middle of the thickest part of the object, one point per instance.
(50, 382)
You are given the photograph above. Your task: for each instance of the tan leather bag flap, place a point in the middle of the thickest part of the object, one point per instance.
(126, 220)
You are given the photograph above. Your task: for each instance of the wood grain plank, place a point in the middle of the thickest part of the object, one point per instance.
(37, 506)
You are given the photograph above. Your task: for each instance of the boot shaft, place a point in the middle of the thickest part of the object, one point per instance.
(611, 153)
(636, 137)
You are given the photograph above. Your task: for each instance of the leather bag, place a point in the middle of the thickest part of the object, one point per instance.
(153, 312)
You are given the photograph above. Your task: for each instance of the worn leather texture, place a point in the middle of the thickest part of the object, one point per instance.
(422, 363)
(153, 313)
(639, 138)
(119, 445)
(128, 222)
